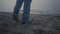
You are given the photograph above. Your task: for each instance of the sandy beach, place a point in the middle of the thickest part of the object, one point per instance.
(40, 24)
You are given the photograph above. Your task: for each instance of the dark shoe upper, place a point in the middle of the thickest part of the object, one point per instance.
(26, 23)
(58, 17)
(15, 16)
(23, 23)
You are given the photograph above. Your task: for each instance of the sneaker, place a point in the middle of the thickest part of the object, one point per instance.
(15, 17)
(58, 17)
(23, 23)
(28, 23)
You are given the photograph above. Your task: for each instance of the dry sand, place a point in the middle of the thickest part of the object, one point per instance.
(40, 24)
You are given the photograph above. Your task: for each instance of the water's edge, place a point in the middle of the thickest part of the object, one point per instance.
(53, 13)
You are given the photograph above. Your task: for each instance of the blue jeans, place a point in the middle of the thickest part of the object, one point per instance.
(26, 9)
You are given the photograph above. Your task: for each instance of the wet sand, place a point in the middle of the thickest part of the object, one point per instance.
(40, 24)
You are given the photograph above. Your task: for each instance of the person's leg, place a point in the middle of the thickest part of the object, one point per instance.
(16, 9)
(26, 10)
(18, 6)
